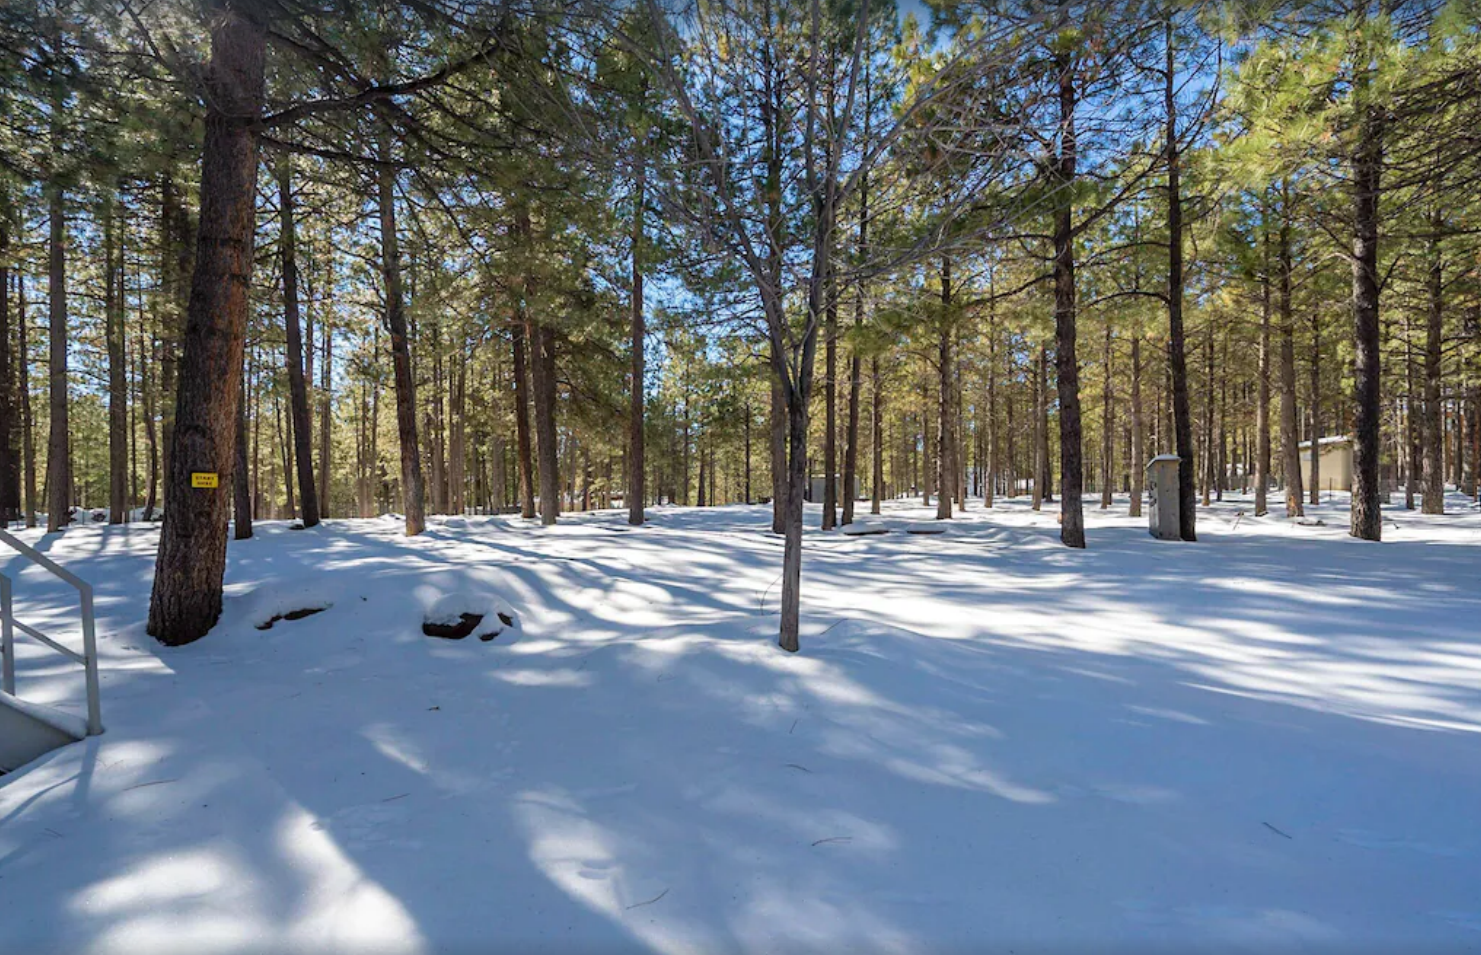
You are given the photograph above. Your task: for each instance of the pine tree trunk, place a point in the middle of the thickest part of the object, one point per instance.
(636, 455)
(780, 482)
(746, 432)
(58, 460)
(118, 446)
(326, 401)
(1107, 438)
(945, 415)
(523, 442)
(1289, 438)
(303, 442)
(1177, 342)
(1040, 436)
(1316, 408)
(412, 491)
(876, 493)
(1138, 450)
(457, 466)
(240, 483)
(989, 479)
(186, 600)
(1066, 364)
(1209, 458)
(542, 355)
(1433, 439)
(1367, 171)
(830, 403)
(1262, 403)
(10, 458)
(23, 384)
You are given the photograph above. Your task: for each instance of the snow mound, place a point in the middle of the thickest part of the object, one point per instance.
(461, 614)
(277, 600)
(456, 523)
(864, 529)
(925, 527)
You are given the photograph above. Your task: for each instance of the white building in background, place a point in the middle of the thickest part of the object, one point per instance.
(1336, 463)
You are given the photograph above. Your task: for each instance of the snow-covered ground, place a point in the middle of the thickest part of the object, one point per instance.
(1265, 741)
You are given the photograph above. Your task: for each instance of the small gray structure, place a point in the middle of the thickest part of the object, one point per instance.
(1162, 493)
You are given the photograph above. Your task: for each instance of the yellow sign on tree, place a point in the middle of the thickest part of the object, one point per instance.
(204, 479)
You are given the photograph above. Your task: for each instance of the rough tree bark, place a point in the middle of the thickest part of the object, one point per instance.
(636, 459)
(186, 600)
(1066, 365)
(1367, 172)
(542, 364)
(1289, 438)
(946, 475)
(1262, 401)
(1107, 438)
(118, 422)
(10, 458)
(524, 451)
(326, 402)
(1434, 442)
(412, 491)
(303, 441)
(58, 458)
(876, 431)
(1177, 345)
(23, 385)
(1138, 449)
(778, 435)
(240, 484)
(1315, 490)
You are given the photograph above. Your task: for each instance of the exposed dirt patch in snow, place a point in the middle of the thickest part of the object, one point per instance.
(290, 615)
(456, 616)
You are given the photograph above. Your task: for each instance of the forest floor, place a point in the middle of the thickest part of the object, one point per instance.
(1267, 741)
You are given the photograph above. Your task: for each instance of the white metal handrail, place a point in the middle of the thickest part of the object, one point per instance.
(8, 625)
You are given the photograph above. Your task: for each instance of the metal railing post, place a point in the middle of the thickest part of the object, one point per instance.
(7, 638)
(90, 662)
(89, 657)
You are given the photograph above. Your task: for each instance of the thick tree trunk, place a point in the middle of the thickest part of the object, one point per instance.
(326, 401)
(636, 454)
(240, 484)
(989, 479)
(58, 458)
(523, 443)
(792, 552)
(28, 421)
(946, 475)
(1433, 437)
(1262, 402)
(876, 493)
(830, 399)
(851, 447)
(1107, 438)
(118, 420)
(1367, 171)
(10, 452)
(780, 482)
(457, 448)
(1316, 408)
(1040, 460)
(1066, 365)
(186, 600)
(303, 442)
(1289, 437)
(1177, 342)
(1209, 455)
(542, 363)
(1138, 451)
(412, 491)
